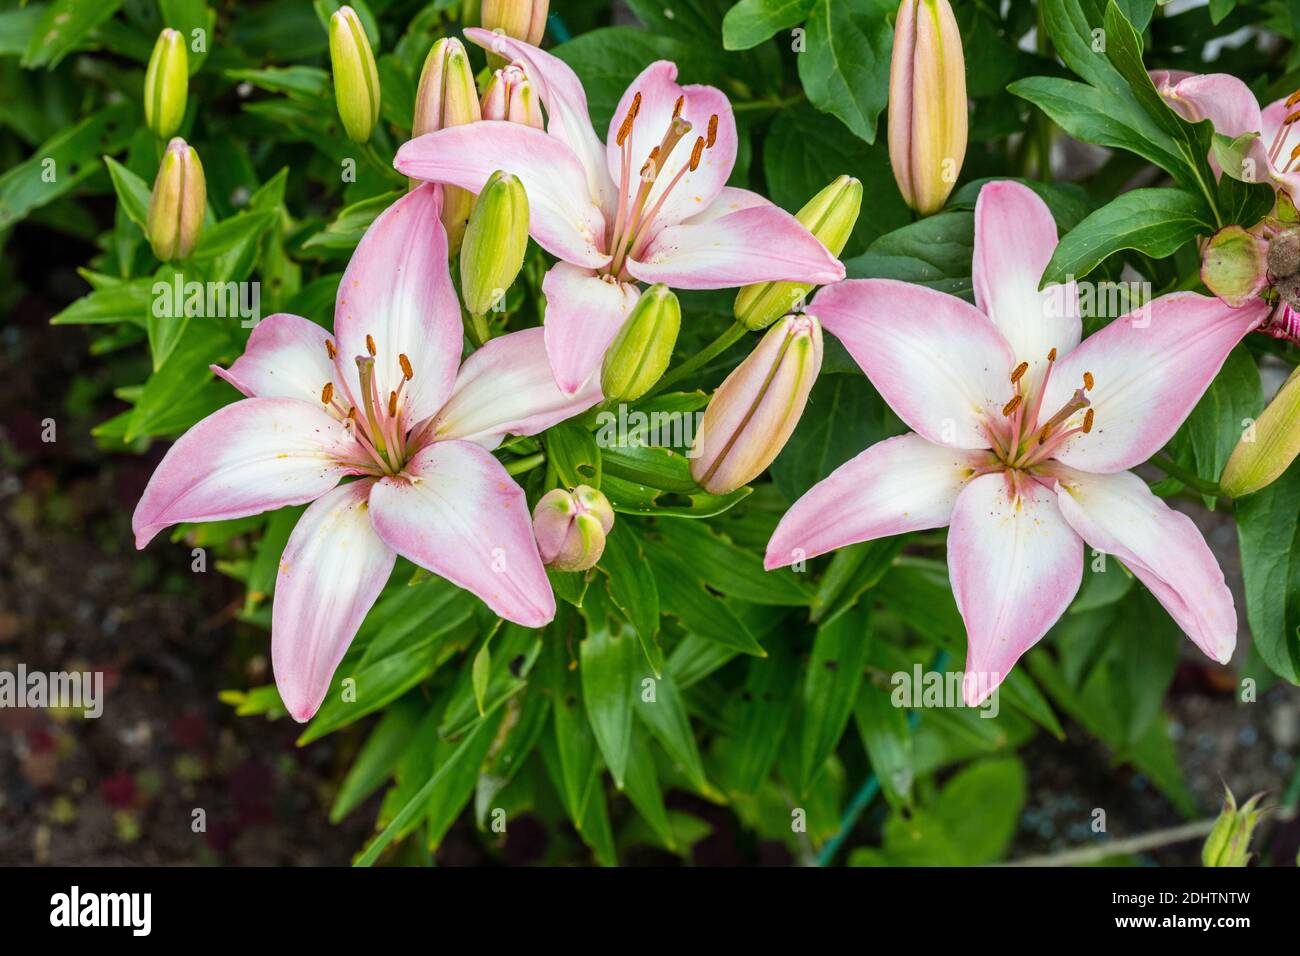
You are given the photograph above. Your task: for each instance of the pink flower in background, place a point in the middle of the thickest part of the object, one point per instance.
(650, 204)
(1022, 437)
(382, 400)
(1233, 111)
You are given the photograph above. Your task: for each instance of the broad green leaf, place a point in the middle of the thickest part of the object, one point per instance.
(132, 192)
(684, 595)
(1155, 222)
(641, 785)
(608, 664)
(632, 588)
(1268, 528)
(572, 456)
(830, 689)
(852, 572)
(750, 22)
(759, 714)
(660, 707)
(1229, 406)
(63, 27)
(731, 570)
(351, 223)
(888, 742)
(845, 68)
(379, 755)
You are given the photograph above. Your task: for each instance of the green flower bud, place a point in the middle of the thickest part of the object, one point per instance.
(640, 352)
(177, 204)
(1236, 263)
(1269, 446)
(446, 96)
(1229, 842)
(830, 216)
(166, 84)
(495, 241)
(570, 527)
(356, 80)
(754, 411)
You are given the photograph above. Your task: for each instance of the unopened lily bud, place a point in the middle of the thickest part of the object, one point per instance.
(830, 216)
(177, 204)
(1229, 842)
(927, 104)
(1269, 445)
(446, 96)
(1235, 265)
(166, 84)
(495, 241)
(356, 80)
(753, 412)
(522, 19)
(511, 96)
(571, 527)
(643, 347)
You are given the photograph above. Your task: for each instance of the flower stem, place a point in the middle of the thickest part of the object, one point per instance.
(521, 465)
(697, 361)
(1175, 470)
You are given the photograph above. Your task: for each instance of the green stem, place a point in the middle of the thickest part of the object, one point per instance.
(373, 157)
(1191, 480)
(521, 465)
(478, 330)
(770, 103)
(726, 340)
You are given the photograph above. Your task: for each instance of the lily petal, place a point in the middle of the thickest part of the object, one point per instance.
(397, 290)
(898, 485)
(754, 244)
(1219, 97)
(1015, 565)
(937, 360)
(455, 511)
(286, 357)
(331, 572)
(561, 214)
(1015, 236)
(1118, 514)
(1150, 368)
(507, 387)
(698, 187)
(568, 119)
(254, 455)
(584, 312)
(1273, 120)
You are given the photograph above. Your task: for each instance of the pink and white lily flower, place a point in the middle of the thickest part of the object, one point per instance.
(1022, 437)
(382, 400)
(650, 204)
(1233, 111)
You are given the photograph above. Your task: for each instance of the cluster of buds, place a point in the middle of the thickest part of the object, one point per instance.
(510, 96)
(639, 354)
(927, 103)
(756, 408)
(177, 203)
(830, 216)
(1229, 842)
(446, 96)
(166, 84)
(571, 526)
(1238, 265)
(356, 78)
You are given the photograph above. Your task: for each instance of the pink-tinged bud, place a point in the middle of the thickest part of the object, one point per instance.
(927, 104)
(1236, 263)
(511, 96)
(571, 527)
(446, 96)
(356, 79)
(177, 203)
(166, 84)
(522, 19)
(753, 412)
